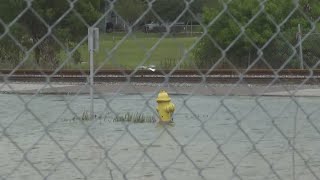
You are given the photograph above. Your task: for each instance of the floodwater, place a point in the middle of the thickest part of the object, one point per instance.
(212, 138)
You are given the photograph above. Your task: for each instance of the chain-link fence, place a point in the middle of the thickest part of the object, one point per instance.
(234, 128)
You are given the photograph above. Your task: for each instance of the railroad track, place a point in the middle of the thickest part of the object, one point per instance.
(182, 76)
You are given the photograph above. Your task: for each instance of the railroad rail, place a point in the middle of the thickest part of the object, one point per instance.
(158, 76)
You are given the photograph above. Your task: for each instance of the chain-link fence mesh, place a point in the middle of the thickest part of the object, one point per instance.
(221, 130)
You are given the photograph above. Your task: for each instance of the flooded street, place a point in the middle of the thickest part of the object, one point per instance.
(212, 138)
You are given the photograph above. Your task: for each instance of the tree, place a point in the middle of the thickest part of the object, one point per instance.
(130, 10)
(45, 21)
(259, 25)
(170, 10)
(165, 10)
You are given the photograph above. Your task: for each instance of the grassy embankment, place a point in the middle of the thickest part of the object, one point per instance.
(130, 52)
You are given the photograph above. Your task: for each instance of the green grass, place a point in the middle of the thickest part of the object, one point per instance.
(134, 118)
(127, 117)
(129, 52)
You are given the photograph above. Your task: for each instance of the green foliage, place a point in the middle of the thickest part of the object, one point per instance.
(29, 26)
(10, 53)
(76, 56)
(130, 10)
(167, 10)
(170, 63)
(10, 9)
(311, 49)
(248, 25)
(170, 10)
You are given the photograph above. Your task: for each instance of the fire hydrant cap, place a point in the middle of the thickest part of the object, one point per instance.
(170, 108)
(163, 97)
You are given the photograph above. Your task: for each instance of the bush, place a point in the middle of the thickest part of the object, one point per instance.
(76, 57)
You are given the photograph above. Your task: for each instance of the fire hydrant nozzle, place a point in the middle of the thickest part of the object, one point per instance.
(165, 107)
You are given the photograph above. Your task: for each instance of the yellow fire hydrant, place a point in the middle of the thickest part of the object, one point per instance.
(165, 107)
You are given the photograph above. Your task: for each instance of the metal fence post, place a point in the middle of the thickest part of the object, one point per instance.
(93, 42)
(300, 46)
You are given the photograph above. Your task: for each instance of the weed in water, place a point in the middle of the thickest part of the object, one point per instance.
(128, 117)
(134, 118)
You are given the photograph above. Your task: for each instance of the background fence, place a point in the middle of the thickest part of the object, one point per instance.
(55, 130)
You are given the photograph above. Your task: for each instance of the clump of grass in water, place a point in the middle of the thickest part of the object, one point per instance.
(134, 118)
(128, 117)
(86, 116)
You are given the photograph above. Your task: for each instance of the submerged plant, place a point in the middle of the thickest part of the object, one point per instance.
(134, 118)
(86, 116)
(128, 117)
